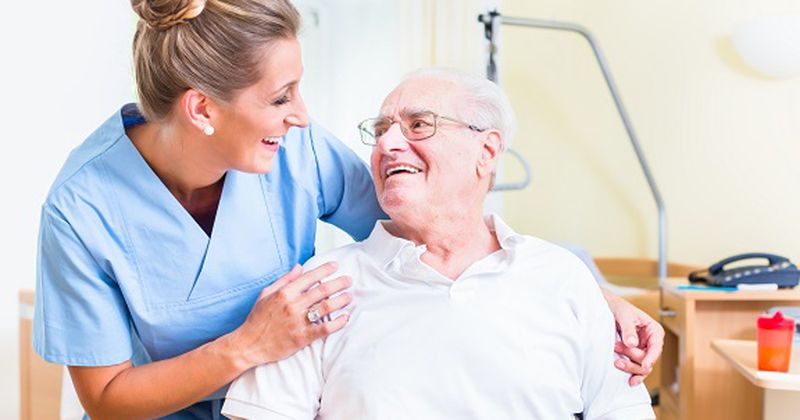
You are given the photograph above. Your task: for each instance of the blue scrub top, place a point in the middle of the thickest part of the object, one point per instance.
(124, 271)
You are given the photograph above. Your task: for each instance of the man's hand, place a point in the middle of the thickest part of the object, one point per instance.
(642, 338)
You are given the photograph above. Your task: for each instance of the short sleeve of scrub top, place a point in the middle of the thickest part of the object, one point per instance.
(124, 272)
(69, 315)
(341, 202)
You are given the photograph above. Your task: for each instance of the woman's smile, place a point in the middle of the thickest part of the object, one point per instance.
(271, 143)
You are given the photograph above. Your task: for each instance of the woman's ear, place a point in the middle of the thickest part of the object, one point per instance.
(491, 148)
(198, 109)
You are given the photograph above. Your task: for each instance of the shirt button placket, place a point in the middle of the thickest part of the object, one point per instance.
(462, 292)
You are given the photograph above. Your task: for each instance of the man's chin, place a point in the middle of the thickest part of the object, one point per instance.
(397, 201)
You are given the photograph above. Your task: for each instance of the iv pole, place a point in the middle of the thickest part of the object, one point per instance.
(493, 18)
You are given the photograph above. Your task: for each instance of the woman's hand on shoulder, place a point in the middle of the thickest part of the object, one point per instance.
(279, 323)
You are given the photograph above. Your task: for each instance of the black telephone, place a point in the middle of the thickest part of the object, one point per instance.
(779, 270)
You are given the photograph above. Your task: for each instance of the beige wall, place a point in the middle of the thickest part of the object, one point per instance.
(723, 143)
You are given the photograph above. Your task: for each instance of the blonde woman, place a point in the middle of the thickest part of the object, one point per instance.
(170, 240)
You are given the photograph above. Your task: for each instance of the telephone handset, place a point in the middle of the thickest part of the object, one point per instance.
(778, 270)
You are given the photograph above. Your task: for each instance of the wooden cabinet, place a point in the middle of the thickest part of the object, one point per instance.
(40, 382)
(696, 382)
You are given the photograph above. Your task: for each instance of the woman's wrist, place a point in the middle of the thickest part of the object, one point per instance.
(611, 298)
(234, 352)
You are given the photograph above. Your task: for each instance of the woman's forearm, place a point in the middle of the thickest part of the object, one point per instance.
(160, 388)
(276, 327)
(610, 297)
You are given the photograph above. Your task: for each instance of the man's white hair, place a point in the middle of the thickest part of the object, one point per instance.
(487, 104)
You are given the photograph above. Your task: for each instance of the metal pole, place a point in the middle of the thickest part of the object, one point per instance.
(492, 18)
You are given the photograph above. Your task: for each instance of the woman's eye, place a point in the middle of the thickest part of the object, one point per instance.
(283, 100)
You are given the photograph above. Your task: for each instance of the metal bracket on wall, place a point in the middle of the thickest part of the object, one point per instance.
(493, 18)
(519, 185)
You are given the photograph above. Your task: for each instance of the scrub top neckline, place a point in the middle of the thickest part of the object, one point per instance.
(130, 117)
(243, 233)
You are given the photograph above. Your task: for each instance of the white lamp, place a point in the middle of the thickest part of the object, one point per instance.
(770, 45)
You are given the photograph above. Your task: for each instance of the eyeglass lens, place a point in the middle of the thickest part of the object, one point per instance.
(415, 126)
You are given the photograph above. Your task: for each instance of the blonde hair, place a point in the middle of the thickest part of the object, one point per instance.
(214, 46)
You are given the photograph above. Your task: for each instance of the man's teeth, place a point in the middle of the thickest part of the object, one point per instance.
(271, 140)
(402, 168)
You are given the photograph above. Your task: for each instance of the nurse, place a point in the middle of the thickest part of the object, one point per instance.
(171, 238)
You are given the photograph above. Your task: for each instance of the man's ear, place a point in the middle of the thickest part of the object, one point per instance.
(198, 109)
(491, 148)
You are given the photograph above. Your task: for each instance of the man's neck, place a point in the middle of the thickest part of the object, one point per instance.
(454, 240)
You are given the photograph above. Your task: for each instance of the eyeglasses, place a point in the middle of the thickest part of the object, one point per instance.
(415, 126)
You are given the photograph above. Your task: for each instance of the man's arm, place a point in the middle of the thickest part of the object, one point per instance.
(643, 336)
(604, 390)
(290, 388)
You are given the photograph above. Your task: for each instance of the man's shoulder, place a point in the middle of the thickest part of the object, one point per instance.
(534, 248)
(528, 248)
(345, 256)
(543, 264)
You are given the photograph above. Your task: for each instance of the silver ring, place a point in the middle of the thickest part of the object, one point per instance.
(313, 315)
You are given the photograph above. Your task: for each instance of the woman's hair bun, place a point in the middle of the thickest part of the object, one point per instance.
(164, 14)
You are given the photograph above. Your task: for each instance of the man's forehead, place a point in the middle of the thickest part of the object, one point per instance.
(420, 95)
(412, 110)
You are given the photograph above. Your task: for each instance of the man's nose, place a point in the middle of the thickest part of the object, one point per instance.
(393, 140)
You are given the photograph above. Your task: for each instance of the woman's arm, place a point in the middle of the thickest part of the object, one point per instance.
(642, 338)
(275, 328)
(344, 184)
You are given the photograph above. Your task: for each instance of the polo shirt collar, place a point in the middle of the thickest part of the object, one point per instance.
(506, 236)
(384, 248)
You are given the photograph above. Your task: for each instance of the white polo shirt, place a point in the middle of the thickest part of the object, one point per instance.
(524, 333)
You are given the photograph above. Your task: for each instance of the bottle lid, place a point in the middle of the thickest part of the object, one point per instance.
(776, 322)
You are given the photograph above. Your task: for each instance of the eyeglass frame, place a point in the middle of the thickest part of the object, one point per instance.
(366, 134)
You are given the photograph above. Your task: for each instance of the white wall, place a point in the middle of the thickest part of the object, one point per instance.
(66, 67)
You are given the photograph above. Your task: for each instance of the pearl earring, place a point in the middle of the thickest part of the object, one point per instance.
(208, 130)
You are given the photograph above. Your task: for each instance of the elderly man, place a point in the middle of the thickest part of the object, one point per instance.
(454, 315)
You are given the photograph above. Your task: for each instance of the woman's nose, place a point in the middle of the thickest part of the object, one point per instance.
(299, 116)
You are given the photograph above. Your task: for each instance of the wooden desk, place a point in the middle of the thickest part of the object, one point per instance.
(781, 390)
(696, 382)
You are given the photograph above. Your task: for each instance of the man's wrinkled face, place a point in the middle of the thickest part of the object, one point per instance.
(425, 175)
